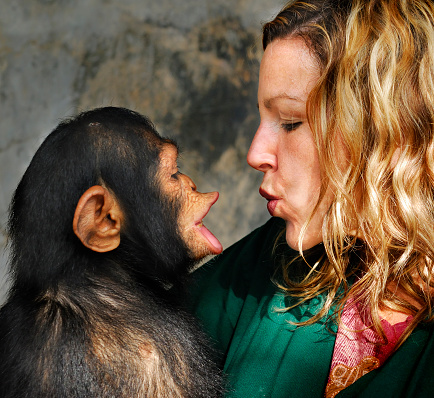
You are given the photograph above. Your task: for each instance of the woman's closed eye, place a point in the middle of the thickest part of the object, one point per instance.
(290, 126)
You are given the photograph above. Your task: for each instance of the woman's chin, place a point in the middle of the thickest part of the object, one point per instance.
(310, 238)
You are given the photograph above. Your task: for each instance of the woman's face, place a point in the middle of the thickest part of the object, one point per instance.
(283, 147)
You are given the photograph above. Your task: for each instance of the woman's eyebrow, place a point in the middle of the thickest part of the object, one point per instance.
(269, 101)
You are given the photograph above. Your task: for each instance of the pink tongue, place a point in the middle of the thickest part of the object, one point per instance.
(217, 246)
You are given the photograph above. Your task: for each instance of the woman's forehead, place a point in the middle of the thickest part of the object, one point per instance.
(288, 70)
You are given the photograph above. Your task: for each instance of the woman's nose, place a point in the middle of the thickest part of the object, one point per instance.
(262, 154)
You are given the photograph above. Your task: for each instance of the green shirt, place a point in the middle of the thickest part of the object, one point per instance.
(264, 355)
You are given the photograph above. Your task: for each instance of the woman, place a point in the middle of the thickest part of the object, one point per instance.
(346, 145)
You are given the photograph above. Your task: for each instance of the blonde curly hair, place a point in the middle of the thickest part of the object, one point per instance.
(375, 98)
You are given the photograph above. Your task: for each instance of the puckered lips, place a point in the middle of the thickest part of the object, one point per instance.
(213, 243)
(272, 201)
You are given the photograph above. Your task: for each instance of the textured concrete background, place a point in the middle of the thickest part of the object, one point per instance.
(190, 65)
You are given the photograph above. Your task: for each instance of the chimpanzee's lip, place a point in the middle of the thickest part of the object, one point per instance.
(215, 245)
(199, 223)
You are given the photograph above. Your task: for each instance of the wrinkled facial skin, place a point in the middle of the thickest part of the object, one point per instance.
(283, 147)
(194, 205)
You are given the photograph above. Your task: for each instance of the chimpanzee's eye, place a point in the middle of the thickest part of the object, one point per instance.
(175, 176)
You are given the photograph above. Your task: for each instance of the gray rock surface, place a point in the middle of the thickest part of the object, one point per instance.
(190, 65)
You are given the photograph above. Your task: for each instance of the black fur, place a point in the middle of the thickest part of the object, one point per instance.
(79, 323)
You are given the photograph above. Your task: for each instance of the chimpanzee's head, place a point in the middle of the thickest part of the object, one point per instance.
(104, 186)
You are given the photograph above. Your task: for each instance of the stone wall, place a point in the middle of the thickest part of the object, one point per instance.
(190, 65)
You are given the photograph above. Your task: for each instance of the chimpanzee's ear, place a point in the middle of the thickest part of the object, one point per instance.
(97, 220)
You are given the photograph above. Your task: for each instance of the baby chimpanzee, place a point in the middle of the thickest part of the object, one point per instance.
(101, 225)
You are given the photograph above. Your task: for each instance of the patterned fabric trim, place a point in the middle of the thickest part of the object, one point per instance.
(358, 348)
